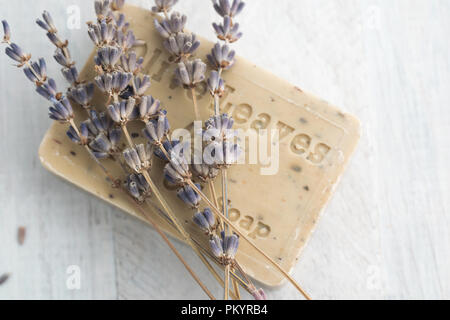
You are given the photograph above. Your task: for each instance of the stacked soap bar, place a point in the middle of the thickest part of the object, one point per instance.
(277, 211)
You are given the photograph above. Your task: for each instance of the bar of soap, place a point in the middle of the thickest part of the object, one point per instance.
(279, 212)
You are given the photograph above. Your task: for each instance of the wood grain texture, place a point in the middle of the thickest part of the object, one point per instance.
(386, 232)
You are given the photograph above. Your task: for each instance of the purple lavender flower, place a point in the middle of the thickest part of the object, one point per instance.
(16, 53)
(156, 130)
(61, 111)
(205, 220)
(47, 23)
(81, 138)
(37, 72)
(221, 57)
(219, 128)
(102, 123)
(71, 75)
(181, 45)
(62, 59)
(122, 112)
(138, 187)
(103, 146)
(126, 40)
(169, 146)
(216, 84)
(117, 4)
(48, 90)
(131, 64)
(163, 5)
(177, 170)
(224, 8)
(225, 247)
(190, 73)
(107, 57)
(102, 34)
(148, 108)
(139, 158)
(113, 83)
(6, 31)
(205, 172)
(141, 85)
(168, 27)
(82, 94)
(189, 196)
(102, 8)
(227, 31)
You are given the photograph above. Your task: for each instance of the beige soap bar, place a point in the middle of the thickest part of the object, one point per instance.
(278, 211)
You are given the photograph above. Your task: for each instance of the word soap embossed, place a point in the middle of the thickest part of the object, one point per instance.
(278, 211)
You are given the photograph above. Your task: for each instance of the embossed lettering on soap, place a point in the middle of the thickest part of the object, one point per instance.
(260, 134)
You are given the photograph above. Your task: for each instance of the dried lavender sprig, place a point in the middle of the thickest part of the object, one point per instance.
(224, 8)
(163, 6)
(182, 46)
(81, 92)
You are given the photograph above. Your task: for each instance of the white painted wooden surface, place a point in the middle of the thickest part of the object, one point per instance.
(386, 232)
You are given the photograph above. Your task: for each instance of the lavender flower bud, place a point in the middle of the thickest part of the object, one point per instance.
(181, 45)
(102, 34)
(82, 94)
(122, 112)
(108, 57)
(231, 153)
(171, 26)
(57, 42)
(163, 5)
(81, 139)
(156, 130)
(228, 31)
(104, 146)
(102, 8)
(120, 81)
(221, 57)
(205, 172)
(148, 108)
(216, 84)
(62, 59)
(224, 8)
(141, 85)
(225, 247)
(126, 40)
(177, 170)
(117, 4)
(47, 24)
(6, 31)
(131, 64)
(37, 72)
(205, 220)
(190, 73)
(70, 74)
(169, 147)
(61, 111)
(139, 158)
(189, 196)
(48, 90)
(138, 187)
(16, 53)
(219, 128)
